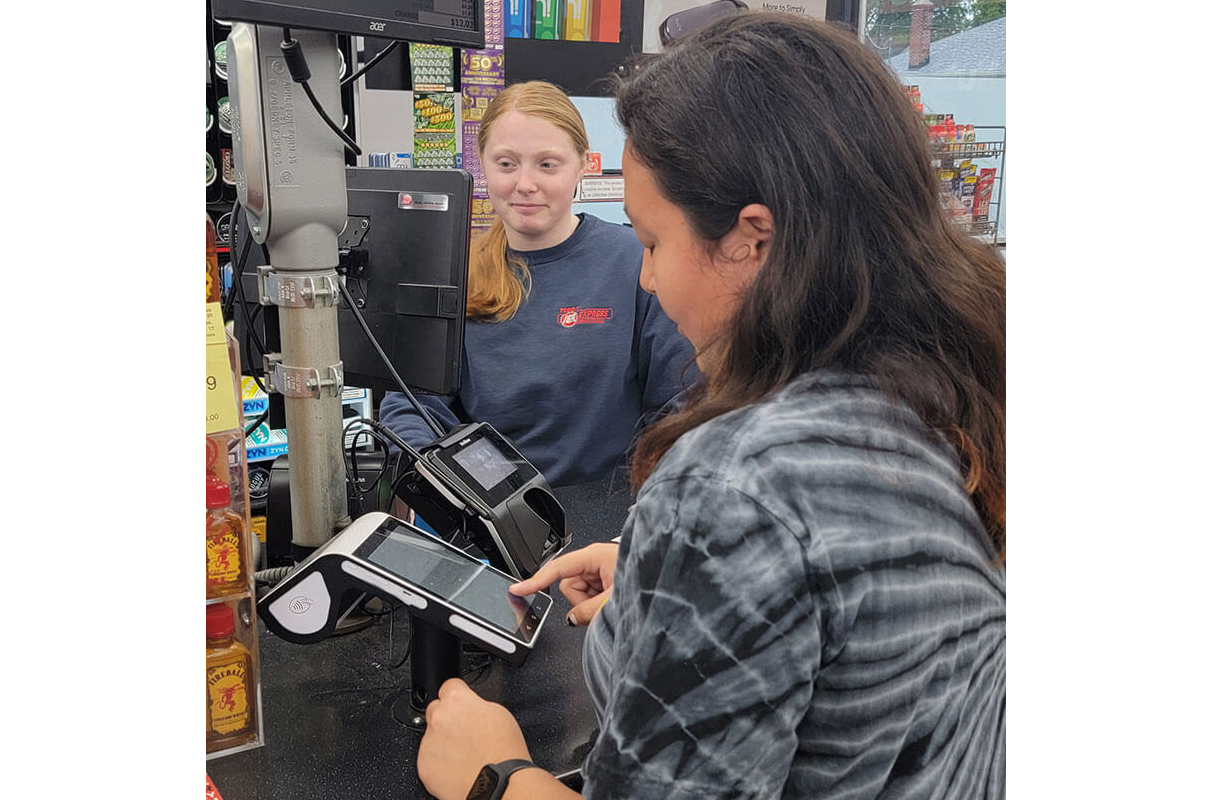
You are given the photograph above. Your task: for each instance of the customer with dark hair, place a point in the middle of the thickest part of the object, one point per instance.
(563, 353)
(808, 599)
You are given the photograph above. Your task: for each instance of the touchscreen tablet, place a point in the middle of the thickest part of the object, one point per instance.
(463, 581)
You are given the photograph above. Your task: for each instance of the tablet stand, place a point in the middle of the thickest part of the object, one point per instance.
(436, 656)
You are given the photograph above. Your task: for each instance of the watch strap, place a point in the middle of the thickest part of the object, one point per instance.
(502, 770)
(507, 768)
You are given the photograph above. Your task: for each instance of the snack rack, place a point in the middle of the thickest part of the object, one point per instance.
(987, 148)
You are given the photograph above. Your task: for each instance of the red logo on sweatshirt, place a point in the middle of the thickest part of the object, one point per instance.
(575, 315)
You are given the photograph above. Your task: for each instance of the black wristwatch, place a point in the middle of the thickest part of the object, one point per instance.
(494, 778)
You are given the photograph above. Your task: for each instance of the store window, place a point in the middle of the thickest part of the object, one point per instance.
(950, 56)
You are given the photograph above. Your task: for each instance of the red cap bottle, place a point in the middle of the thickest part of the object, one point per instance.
(220, 621)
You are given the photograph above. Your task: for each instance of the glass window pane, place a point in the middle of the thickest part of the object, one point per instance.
(951, 57)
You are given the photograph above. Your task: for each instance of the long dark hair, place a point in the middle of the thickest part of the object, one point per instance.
(865, 272)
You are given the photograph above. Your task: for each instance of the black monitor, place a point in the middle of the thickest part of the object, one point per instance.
(458, 23)
(403, 256)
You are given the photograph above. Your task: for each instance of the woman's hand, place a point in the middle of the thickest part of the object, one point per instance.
(463, 732)
(588, 577)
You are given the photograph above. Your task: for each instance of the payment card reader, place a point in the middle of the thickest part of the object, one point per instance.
(474, 480)
(440, 585)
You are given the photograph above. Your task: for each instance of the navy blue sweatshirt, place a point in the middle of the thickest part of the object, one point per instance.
(573, 375)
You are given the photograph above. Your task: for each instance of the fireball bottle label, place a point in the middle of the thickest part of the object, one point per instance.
(223, 559)
(227, 695)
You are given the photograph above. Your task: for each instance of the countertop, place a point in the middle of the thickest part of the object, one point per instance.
(336, 713)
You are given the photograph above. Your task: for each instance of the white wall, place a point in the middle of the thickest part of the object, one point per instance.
(605, 137)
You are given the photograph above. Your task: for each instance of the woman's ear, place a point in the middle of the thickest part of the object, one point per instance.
(747, 244)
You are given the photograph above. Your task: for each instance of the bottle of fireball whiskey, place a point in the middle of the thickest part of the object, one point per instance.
(225, 546)
(229, 690)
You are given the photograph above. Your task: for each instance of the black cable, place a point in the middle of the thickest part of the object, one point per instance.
(237, 284)
(461, 530)
(398, 473)
(250, 324)
(459, 536)
(475, 669)
(395, 439)
(271, 576)
(351, 477)
(237, 263)
(248, 346)
(292, 51)
(251, 331)
(379, 56)
(353, 307)
(257, 424)
(349, 143)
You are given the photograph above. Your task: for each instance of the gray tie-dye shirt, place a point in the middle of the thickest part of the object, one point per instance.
(805, 606)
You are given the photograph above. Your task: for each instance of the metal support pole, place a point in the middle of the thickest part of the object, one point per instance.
(290, 175)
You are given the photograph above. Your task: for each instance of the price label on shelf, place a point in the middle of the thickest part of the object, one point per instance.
(221, 413)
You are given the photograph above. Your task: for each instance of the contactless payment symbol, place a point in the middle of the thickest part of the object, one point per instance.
(300, 604)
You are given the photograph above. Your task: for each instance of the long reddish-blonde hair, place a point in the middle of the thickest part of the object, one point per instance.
(497, 279)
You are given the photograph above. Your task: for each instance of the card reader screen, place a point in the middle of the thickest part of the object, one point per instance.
(460, 579)
(484, 463)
